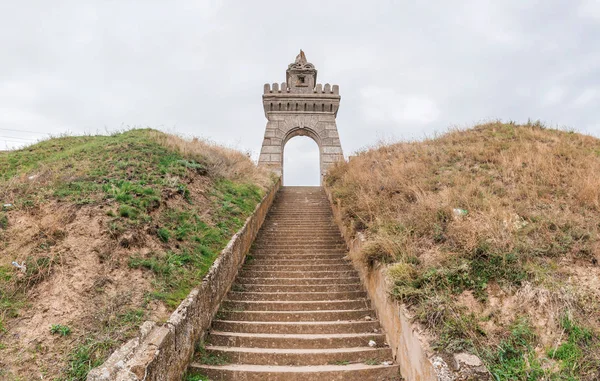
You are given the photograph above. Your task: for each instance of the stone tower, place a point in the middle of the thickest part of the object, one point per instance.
(300, 107)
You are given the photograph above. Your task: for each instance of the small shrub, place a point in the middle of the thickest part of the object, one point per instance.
(127, 211)
(163, 234)
(210, 358)
(3, 221)
(59, 329)
(85, 356)
(196, 377)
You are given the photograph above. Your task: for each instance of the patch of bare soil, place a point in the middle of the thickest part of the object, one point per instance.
(86, 286)
(542, 304)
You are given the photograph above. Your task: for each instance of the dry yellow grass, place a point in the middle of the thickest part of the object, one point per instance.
(221, 161)
(478, 220)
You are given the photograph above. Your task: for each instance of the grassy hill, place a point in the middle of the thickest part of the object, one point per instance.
(492, 240)
(106, 232)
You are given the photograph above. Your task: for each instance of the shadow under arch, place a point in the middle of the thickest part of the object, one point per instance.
(308, 132)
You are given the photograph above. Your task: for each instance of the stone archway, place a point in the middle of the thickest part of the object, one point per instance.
(300, 107)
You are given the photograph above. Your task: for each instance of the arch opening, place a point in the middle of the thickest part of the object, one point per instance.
(301, 162)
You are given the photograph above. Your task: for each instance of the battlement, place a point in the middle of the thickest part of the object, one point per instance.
(301, 93)
(276, 88)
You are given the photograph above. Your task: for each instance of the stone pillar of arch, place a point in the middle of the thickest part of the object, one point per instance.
(300, 107)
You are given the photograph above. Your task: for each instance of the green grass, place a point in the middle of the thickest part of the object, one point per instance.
(195, 377)
(515, 358)
(574, 353)
(87, 355)
(3, 220)
(198, 242)
(209, 358)
(340, 362)
(59, 329)
(92, 350)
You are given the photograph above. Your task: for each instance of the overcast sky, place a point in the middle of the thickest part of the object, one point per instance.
(405, 70)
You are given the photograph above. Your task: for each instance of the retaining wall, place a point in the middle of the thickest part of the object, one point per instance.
(410, 349)
(162, 352)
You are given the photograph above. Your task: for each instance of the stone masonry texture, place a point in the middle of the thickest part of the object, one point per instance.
(300, 107)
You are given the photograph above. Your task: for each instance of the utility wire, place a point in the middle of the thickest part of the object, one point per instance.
(14, 141)
(31, 132)
(14, 137)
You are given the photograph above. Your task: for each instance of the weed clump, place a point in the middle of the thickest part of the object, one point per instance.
(59, 329)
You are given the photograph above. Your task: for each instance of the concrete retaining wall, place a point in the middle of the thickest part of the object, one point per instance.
(410, 349)
(162, 352)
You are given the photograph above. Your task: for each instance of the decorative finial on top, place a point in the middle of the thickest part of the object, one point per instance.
(301, 75)
(301, 58)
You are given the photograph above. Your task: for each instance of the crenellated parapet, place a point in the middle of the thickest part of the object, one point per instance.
(282, 88)
(280, 98)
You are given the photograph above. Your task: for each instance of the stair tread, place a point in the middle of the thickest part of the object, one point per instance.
(293, 368)
(297, 335)
(293, 350)
(297, 301)
(293, 323)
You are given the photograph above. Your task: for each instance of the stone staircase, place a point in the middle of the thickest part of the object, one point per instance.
(297, 310)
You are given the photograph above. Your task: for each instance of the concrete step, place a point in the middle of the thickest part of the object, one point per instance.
(298, 218)
(297, 296)
(294, 357)
(284, 239)
(295, 341)
(296, 316)
(295, 229)
(297, 274)
(297, 236)
(289, 262)
(299, 281)
(302, 246)
(295, 327)
(296, 287)
(294, 305)
(308, 225)
(298, 256)
(259, 266)
(246, 372)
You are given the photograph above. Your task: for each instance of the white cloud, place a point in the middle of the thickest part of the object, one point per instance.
(553, 96)
(589, 9)
(384, 105)
(585, 98)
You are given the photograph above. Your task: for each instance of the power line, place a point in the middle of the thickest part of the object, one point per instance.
(14, 137)
(31, 132)
(15, 143)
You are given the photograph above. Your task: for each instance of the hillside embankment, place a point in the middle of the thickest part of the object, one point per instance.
(100, 233)
(491, 239)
